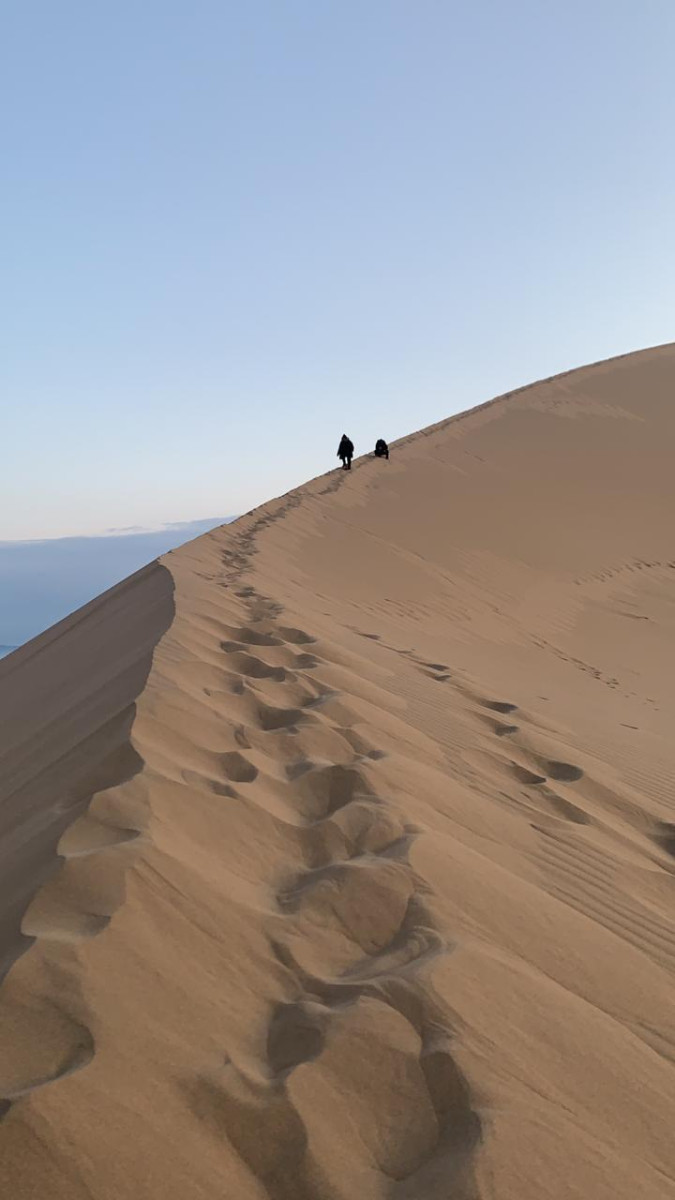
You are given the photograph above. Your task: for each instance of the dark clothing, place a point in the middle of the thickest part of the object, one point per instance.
(346, 452)
(381, 449)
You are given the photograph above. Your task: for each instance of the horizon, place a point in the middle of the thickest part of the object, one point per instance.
(127, 532)
(43, 580)
(236, 233)
(38, 589)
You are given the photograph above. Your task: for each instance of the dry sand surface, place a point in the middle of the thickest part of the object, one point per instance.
(338, 847)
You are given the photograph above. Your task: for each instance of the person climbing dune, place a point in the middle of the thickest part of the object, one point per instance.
(346, 452)
(381, 449)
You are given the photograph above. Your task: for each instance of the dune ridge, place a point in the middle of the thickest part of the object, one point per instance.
(340, 843)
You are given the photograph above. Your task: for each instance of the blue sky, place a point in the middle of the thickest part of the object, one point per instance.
(232, 230)
(43, 581)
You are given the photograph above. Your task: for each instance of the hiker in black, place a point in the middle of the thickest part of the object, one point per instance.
(381, 449)
(346, 452)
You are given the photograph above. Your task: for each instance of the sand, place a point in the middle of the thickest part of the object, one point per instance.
(338, 846)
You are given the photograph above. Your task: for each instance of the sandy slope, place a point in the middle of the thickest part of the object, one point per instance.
(368, 890)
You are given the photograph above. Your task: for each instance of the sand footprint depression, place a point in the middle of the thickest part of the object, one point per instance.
(353, 936)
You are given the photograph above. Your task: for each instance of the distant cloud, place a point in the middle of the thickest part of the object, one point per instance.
(130, 530)
(124, 529)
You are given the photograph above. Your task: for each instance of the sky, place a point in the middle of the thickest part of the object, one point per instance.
(43, 581)
(232, 231)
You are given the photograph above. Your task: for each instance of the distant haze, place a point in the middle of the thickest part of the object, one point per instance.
(43, 581)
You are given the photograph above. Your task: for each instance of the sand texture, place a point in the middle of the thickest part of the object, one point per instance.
(338, 847)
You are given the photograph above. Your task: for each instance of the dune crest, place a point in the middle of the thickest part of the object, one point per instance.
(339, 844)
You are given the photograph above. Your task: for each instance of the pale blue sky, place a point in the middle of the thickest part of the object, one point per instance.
(231, 231)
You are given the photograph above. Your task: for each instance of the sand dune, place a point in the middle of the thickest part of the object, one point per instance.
(339, 844)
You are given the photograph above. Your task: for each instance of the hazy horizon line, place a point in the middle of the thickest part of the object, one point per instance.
(122, 532)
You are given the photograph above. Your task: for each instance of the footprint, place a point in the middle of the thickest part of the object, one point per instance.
(367, 828)
(529, 778)
(306, 662)
(235, 687)
(500, 706)
(564, 808)
(562, 771)
(237, 768)
(407, 952)
(361, 747)
(665, 836)
(325, 790)
(339, 713)
(206, 784)
(366, 899)
(322, 698)
(262, 1124)
(296, 769)
(256, 637)
(279, 718)
(252, 667)
(296, 1034)
(447, 1087)
(297, 637)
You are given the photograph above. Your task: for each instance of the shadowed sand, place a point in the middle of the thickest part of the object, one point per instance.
(338, 846)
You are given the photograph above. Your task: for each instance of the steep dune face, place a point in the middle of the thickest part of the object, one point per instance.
(367, 890)
(66, 711)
